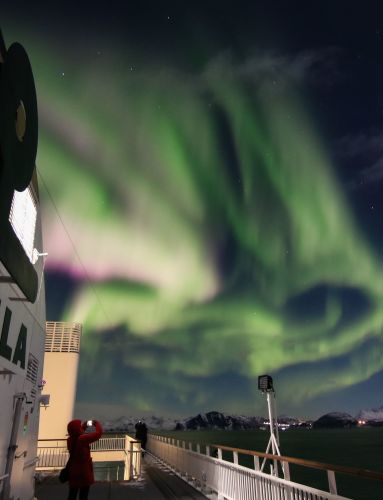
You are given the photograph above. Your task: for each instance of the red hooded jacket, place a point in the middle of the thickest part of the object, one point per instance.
(80, 465)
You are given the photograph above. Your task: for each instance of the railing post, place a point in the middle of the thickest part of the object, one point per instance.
(331, 481)
(138, 459)
(286, 470)
(219, 453)
(127, 460)
(256, 462)
(208, 451)
(235, 457)
(131, 472)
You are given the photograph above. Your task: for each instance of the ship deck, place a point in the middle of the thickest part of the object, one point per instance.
(157, 482)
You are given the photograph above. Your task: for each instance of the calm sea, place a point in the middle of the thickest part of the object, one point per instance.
(360, 447)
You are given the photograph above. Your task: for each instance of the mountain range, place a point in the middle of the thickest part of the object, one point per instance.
(218, 420)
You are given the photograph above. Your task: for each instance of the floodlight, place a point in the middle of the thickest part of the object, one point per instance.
(265, 383)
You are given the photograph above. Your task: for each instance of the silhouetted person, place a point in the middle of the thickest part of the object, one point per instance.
(141, 433)
(80, 465)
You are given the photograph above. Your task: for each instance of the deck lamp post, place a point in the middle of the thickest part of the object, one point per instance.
(265, 385)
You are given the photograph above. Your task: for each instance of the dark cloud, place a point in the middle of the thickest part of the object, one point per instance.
(364, 153)
(60, 286)
(314, 67)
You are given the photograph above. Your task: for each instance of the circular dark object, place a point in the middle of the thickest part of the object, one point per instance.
(18, 121)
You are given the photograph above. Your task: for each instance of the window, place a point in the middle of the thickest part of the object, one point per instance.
(22, 217)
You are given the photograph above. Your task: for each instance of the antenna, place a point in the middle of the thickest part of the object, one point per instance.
(265, 385)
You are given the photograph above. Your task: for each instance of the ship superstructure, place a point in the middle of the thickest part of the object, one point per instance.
(62, 348)
(22, 294)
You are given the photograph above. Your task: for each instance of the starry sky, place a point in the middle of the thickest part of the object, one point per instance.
(211, 177)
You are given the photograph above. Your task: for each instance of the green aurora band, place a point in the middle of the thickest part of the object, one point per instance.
(203, 207)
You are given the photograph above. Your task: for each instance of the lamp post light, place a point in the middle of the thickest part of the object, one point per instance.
(265, 385)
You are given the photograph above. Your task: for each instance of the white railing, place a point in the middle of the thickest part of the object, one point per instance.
(53, 454)
(108, 443)
(62, 336)
(229, 480)
(133, 455)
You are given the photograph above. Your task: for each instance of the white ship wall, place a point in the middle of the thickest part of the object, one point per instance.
(14, 379)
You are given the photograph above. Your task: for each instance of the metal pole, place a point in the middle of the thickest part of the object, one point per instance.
(271, 421)
(275, 420)
(19, 398)
(265, 385)
(274, 435)
(127, 460)
(131, 460)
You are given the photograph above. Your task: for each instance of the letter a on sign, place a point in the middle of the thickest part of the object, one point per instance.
(21, 348)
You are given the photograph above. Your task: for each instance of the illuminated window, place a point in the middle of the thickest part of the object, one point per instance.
(22, 217)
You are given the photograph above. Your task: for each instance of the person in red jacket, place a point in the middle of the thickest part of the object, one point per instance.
(80, 464)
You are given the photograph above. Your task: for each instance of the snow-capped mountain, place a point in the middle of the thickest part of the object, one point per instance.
(335, 419)
(210, 420)
(126, 424)
(218, 420)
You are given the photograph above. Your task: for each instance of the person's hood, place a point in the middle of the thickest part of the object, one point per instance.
(75, 428)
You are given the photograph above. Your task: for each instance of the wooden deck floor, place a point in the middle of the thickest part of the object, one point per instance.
(156, 483)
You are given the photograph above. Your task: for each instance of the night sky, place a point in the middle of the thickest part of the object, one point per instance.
(211, 177)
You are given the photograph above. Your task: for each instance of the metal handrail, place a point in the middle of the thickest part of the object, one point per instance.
(53, 453)
(57, 439)
(31, 462)
(354, 471)
(232, 480)
(103, 444)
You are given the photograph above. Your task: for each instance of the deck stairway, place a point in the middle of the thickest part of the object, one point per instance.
(156, 482)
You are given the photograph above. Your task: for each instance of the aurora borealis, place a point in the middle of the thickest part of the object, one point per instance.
(220, 231)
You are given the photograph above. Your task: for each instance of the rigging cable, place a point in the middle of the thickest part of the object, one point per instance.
(90, 283)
